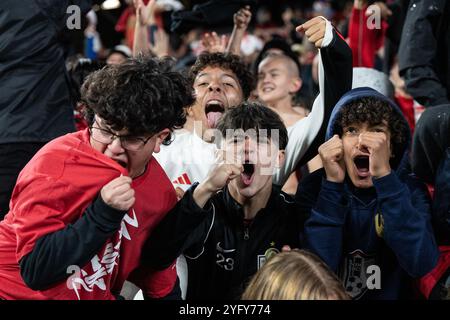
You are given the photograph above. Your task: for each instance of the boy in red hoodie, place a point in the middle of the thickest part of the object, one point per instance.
(84, 205)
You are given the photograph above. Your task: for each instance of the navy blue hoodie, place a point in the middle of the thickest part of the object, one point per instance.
(342, 228)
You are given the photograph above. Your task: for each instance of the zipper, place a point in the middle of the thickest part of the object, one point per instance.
(246, 234)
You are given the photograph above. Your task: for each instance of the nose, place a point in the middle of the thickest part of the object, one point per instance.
(214, 86)
(116, 146)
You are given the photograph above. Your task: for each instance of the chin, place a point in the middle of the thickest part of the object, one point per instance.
(362, 183)
(247, 192)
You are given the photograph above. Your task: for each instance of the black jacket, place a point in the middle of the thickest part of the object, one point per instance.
(222, 253)
(35, 103)
(431, 162)
(424, 53)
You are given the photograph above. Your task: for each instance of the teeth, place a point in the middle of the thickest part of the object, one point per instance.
(214, 102)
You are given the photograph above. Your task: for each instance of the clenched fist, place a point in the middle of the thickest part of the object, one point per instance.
(314, 30)
(378, 145)
(223, 172)
(118, 193)
(332, 155)
(242, 18)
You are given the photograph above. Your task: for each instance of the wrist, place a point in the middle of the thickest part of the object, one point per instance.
(202, 194)
(335, 180)
(381, 173)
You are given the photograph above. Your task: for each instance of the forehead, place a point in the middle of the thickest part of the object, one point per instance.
(270, 63)
(366, 124)
(216, 72)
(103, 125)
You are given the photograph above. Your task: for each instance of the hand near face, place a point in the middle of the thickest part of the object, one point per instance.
(332, 155)
(118, 193)
(378, 146)
(218, 177)
(314, 30)
(225, 170)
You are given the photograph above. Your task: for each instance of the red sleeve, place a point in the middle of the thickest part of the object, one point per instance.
(41, 207)
(155, 284)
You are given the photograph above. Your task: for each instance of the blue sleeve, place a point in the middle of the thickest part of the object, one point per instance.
(324, 228)
(407, 227)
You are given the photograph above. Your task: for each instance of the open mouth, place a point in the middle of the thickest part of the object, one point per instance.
(214, 111)
(247, 175)
(267, 89)
(362, 166)
(121, 163)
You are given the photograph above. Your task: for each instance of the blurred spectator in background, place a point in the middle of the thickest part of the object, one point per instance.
(424, 54)
(36, 105)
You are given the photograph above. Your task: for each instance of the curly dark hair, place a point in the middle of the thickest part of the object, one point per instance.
(228, 62)
(374, 111)
(142, 95)
(254, 115)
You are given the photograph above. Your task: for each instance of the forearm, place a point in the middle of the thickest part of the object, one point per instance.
(76, 244)
(324, 229)
(336, 73)
(406, 226)
(234, 45)
(424, 85)
(175, 233)
(141, 43)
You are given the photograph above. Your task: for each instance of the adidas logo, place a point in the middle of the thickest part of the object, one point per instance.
(183, 179)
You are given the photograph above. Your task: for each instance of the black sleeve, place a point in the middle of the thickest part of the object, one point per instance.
(338, 75)
(184, 227)
(431, 139)
(76, 244)
(418, 52)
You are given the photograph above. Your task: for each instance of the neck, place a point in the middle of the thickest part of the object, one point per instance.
(189, 125)
(283, 105)
(251, 206)
(198, 128)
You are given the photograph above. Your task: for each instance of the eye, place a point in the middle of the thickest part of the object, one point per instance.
(228, 84)
(351, 131)
(202, 84)
(105, 133)
(378, 130)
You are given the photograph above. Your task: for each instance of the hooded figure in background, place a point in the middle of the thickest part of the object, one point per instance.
(369, 217)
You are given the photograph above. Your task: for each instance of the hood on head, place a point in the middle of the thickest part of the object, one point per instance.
(401, 159)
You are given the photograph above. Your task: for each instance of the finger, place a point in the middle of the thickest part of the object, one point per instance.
(316, 37)
(313, 29)
(118, 181)
(318, 44)
(119, 190)
(128, 203)
(126, 195)
(308, 24)
(223, 41)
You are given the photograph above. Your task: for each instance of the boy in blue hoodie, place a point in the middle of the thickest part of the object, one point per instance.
(369, 218)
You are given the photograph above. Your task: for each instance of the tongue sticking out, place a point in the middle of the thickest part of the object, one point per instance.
(247, 175)
(213, 118)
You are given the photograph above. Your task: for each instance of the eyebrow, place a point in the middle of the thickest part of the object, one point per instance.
(270, 70)
(225, 75)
